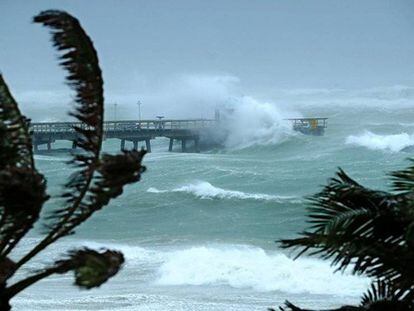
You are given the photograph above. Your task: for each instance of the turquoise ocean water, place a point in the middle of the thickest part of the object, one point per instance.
(198, 231)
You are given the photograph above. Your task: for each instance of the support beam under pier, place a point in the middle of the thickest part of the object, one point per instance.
(135, 142)
(148, 144)
(122, 144)
(170, 147)
(196, 144)
(183, 145)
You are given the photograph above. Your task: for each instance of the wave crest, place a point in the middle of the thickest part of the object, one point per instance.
(393, 143)
(252, 267)
(205, 190)
(256, 123)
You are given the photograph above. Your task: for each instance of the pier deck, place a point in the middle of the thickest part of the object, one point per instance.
(134, 131)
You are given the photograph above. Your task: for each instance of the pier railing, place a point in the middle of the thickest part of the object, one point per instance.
(131, 125)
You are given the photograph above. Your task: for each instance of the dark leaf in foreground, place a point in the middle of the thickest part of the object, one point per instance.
(22, 195)
(95, 182)
(15, 141)
(91, 269)
(80, 59)
(22, 188)
(369, 231)
(113, 173)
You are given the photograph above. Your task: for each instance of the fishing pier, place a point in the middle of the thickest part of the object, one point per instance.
(187, 133)
(181, 131)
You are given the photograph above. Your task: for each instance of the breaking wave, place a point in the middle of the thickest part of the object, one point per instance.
(393, 143)
(239, 266)
(252, 267)
(251, 122)
(205, 190)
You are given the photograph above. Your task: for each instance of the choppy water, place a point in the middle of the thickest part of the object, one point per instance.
(198, 232)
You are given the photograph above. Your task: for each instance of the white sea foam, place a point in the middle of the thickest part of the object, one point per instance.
(252, 267)
(393, 143)
(205, 190)
(38, 157)
(239, 266)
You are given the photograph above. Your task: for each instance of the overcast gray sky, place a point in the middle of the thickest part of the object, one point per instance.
(254, 47)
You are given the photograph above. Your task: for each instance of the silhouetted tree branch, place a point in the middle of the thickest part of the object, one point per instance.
(370, 232)
(97, 178)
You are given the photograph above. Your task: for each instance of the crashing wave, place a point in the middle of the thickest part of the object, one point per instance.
(393, 143)
(205, 190)
(252, 267)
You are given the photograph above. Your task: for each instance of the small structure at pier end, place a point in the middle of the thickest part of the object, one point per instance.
(310, 126)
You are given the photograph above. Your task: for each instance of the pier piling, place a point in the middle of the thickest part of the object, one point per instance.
(183, 145)
(170, 147)
(148, 144)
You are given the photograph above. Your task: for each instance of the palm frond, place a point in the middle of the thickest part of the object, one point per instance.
(91, 268)
(113, 173)
(379, 290)
(367, 229)
(403, 180)
(22, 188)
(22, 194)
(80, 59)
(15, 141)
(384, 296)
(291, 307)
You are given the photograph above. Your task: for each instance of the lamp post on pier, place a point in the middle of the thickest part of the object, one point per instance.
(139, 109)
(115, 106)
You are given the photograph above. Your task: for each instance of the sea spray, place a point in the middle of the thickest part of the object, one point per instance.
(250, 122)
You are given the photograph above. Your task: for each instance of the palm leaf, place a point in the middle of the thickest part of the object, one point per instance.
(384, 296)
(22, 188)
(15, 141)
(97, 180)
(403, 180)
(291, 307)
(91, 269)
(368, 229)
(113, 173)
(80, 59)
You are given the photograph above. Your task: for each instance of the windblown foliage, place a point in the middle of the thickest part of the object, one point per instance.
(97, 179)
(16, 148)
(23, 190)
(368, 231)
